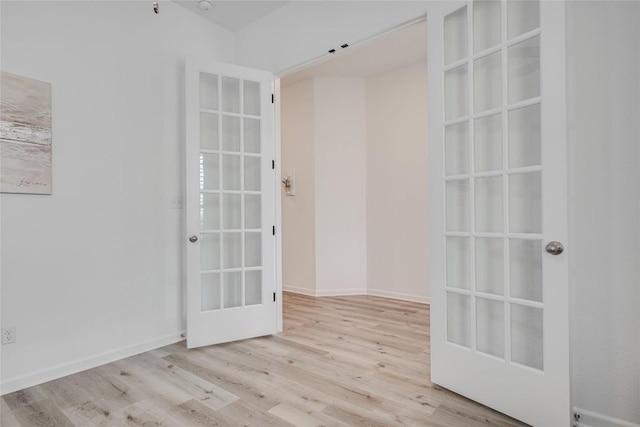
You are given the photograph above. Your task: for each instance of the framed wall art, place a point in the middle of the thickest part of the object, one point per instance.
(25, 135)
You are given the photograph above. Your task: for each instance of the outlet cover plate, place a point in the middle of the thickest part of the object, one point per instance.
(8, 335)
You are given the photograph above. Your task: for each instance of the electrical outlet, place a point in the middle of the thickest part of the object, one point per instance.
(8, 335)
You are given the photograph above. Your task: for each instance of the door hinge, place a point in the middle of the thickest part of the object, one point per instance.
(274, 230)
(273, 164)
(272, 98)
(274, 297)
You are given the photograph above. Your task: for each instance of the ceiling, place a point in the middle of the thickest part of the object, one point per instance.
(396, 49)
(233, 14)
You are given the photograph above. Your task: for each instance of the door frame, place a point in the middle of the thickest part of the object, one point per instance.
(434, 260)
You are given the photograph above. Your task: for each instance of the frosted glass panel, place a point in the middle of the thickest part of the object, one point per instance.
(524, 137)
(490, 266)
(253, 249)
(252, 211)
(457, 205)
(487, 24)
(230, 95)
(209, 211)
(251, 135)
(488, 143)
(209, 131)
(524, 70)
(457, 149)
(526, 336)
(208, 91)
(458, 263)
(489, 204)
(455, 36)
(210, 291)
(459, 319)
(253, 287)
(232, 247)
(525, 203)
(522, 16)
(490, 326)
(456, 100)
(487, 82)
(231, 172)
(209, 172)
(251, 98)
(232, 289)
(252, 173)
(231, 133)
(209, 251)
(526, 269)
(231, 211)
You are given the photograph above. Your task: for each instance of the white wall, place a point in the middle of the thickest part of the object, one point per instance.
(603, 40)
(93, 271)
(324, 224)
(340, 174)
(397, 184)
(305, 30)
(369, 169)
(298, 212)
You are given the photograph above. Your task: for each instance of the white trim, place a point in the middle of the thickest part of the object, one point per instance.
(361, 42)
(399, 295)
(42, 376)
(278, 178)
(593, 419)
(301, 291)
(341, 292)
(351, 292)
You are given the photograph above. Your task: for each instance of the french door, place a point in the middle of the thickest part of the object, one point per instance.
(230, 203)
(500, 328)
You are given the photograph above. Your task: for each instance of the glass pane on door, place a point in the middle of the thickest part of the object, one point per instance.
(210, 297)
(487, 82)
(456, 148)
(524, 70)
(490, 326)
(208, 91)
(230, 192)
(493, 181)
(459, 319)
(488, 143)
(526, 336)
(522, 16)
(456, 93)
(487, 24)
(455, 36)
(209, 131)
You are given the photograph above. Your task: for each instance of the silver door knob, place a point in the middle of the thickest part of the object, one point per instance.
(193, 238)
(554, 248)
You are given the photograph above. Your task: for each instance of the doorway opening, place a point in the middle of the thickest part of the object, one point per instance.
(354, 166)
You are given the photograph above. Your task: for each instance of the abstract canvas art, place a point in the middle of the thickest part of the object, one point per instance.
(25, 135)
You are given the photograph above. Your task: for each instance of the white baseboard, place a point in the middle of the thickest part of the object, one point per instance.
(398, 295)
(24, 381)
(593, 419)
(325, 293)
(341, 292)
(302, 291)
(347, 292)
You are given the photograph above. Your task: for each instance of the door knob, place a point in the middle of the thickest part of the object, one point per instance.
(193, 238)
(554, 248)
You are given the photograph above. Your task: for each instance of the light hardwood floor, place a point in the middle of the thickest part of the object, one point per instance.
(341, 361)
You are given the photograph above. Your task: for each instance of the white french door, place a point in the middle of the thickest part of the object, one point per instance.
(500, 310)
(230, 203)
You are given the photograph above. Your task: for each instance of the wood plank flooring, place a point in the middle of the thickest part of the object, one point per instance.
(341, 361)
